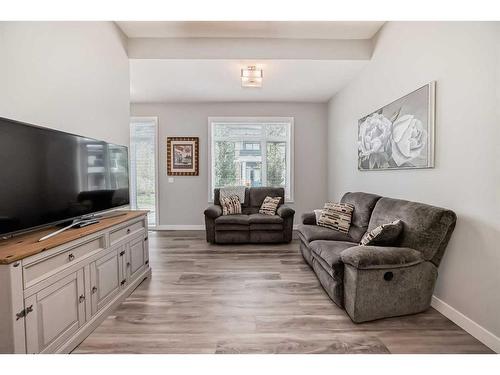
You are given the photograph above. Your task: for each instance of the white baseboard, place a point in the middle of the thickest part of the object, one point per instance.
(178, 227)
(467, 324)
(188, 227)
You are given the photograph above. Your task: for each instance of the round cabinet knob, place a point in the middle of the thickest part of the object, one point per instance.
(128, 264)
(71, 257)
(82, 298)
(388, 276)
(94, 289)
(128, 231)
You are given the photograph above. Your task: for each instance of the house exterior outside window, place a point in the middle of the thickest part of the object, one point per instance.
(251, 152)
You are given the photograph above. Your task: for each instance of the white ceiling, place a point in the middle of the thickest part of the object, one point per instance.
(198, 78)
(219, 80)
(251, 29)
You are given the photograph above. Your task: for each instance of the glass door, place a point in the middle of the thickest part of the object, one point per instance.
(143, 166)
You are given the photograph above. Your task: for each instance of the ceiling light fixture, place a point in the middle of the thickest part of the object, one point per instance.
(251, 77)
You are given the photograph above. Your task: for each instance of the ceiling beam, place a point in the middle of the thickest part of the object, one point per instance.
(250, 48)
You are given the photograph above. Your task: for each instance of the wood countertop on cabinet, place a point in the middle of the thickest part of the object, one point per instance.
(25, 245)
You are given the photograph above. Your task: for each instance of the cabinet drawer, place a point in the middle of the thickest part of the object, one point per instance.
(47, 266)
(129, 230)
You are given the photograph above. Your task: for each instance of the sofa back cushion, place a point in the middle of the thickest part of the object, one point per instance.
(363, 206)
(258, 194)
(243, 204)
(425, 228)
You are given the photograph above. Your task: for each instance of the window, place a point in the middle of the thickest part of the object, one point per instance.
(143, 175)
(251, 152)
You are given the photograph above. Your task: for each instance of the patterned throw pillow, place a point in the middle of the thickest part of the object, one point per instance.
(269, 206)
(385, 234)
(230, 205)
(336, 216)
(317, 213)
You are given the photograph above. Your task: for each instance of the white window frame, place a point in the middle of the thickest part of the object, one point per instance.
(154, 119)
(249, 119)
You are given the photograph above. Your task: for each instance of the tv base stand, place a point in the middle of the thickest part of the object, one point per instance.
(54, 293)
(77, 223)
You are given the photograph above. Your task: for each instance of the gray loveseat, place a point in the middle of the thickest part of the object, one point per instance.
(250, 226)
(373, 282)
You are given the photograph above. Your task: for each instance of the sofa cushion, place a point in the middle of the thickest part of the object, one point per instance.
(314, 232)
(230, 205)
(336, 216)
(249, 210)
(264, 227)
(265, 222)
(328, 254)
(425, 228)
(258, 194)
(264, 219)
(363, 206)
(270, 205)
(231, 227)
(232, 220)
(385, 234)
(246, 203)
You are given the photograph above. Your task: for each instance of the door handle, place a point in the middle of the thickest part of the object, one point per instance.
(81, 299)
(71, 257)
(94, 289)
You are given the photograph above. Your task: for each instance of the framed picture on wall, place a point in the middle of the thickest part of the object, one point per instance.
(399, 135)
(183, 156)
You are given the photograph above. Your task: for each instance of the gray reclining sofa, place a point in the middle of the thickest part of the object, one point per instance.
(250, 226)
(373, 282)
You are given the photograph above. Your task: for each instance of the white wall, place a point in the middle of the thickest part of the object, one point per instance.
(183, 202)
(464, 60)
(71, 76)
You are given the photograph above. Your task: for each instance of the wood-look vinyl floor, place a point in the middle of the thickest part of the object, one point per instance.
(206, 298)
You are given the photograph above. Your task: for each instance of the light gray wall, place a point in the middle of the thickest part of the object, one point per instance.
(183, 202)
(71, 76)
(464, 60)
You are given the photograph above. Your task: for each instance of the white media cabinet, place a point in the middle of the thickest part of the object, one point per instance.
(54, 293)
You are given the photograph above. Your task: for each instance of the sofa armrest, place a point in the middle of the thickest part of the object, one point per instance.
(373, 257)
(213, 211)
(285, 211)
(309, 218)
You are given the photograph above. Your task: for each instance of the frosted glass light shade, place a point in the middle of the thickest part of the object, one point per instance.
(251, 77)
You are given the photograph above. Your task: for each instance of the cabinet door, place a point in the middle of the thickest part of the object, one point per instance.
(135, 258)
(105, 279)
(55, 313)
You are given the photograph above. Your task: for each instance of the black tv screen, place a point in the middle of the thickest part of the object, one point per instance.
(49, 176)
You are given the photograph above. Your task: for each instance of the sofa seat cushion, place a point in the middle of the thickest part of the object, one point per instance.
(265, 219)
(232, 222)
(310, 233)
(328, 255)
(265, 222)
(278, 227)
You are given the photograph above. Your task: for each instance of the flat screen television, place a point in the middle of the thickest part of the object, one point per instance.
(51, 177)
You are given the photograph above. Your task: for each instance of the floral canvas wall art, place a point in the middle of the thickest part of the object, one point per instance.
(400, 135)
